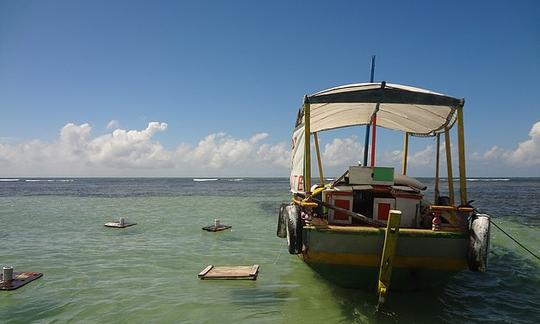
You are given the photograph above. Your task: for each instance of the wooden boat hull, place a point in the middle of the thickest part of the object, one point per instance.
(350, 255)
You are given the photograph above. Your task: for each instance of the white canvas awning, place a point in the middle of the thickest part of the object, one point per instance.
(403, 108)
(416, 111)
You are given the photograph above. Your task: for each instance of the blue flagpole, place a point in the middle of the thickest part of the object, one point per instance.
(366, 143)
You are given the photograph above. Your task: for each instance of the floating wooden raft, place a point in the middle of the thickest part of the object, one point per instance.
(118, 225)
(230, 273)
(19, 279)
(214, 228)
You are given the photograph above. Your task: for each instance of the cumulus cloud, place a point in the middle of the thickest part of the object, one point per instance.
(218, 151)
(77, 152)
(129, 149)
(342, 152)
(527, 153)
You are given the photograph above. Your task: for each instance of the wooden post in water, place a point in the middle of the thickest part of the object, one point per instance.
(388, 255)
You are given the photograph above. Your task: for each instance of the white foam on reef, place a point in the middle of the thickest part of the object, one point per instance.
(237, 179)
(204, 179)
(49, 180)
(9, 180)
(494, 179)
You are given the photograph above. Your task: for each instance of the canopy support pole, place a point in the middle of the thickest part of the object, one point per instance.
(374, 130)
(366, 144)
(449, 166)
(374, 137)
(437, 159)
(405, 153)
(307, 147)
(319, 162)
(461, 152)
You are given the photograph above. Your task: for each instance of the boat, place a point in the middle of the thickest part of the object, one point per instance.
(373, 227)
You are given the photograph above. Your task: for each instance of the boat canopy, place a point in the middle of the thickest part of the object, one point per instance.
(404, 108)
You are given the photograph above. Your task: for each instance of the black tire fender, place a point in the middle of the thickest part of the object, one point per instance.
(281, 223)
(479, 232)
(294, 225)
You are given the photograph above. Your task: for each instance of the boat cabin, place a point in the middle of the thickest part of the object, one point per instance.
(373, 192)
(368, 190)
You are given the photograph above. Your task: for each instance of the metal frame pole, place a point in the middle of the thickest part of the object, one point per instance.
(449, 166)
(366, 137)
(373, 138)
(461, 152)
(437, 159)
(405, 153)
(319, 161)
(307, 147)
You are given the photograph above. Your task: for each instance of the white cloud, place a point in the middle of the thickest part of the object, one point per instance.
(113, 124)
(527, 153)
(342, 152)
(129, 149)
(424, 157)
(494, 152)
(137, 153)
(76, 152)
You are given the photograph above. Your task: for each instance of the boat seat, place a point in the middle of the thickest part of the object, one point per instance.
(403, 180)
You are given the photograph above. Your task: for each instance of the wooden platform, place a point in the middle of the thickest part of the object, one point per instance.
(230, 273)
(213, 228)
(117, 225)
(19, 279)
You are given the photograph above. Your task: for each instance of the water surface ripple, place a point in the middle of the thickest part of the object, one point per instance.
(148, 273)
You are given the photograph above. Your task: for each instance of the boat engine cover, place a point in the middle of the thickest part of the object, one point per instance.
(479, 232)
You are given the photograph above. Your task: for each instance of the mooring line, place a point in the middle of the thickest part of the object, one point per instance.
(513, 239)
(279, 254)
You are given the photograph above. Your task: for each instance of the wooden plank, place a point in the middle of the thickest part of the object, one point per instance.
(205, 271)
(388, 254)
(254, 270)
(451, 208)
(19, 279)
(117, 225)
(213, 228)
(230, 273)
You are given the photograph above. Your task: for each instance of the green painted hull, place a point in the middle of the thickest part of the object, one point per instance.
(350, 256)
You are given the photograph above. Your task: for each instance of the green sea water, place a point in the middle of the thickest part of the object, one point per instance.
(148, 273)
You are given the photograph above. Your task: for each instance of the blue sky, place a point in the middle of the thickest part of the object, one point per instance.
(241, 68)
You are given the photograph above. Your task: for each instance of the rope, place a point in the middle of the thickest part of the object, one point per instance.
(513, 239)
(279, 254)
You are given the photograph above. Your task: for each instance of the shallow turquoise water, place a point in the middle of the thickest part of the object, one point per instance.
(148, 273)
